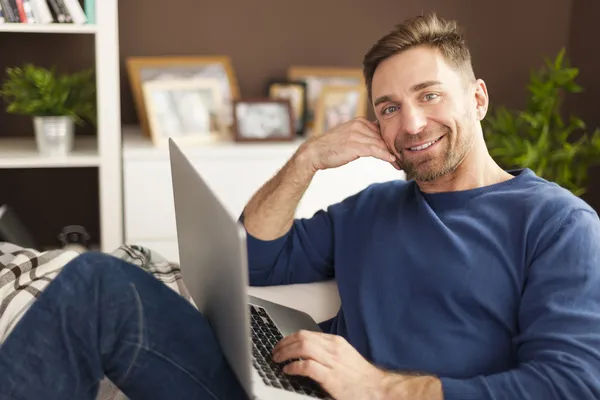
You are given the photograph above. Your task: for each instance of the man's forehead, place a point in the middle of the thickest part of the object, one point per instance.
(409, 68)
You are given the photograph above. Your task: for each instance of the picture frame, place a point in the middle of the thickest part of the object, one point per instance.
(263, 120)
(183, 109)
(295, 92)
(317, 77)
(145, 69)
(339, 104)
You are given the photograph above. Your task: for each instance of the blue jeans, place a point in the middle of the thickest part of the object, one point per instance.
(104, 317)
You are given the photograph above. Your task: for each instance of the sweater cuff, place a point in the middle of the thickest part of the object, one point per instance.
(263, 253)
(463, 389)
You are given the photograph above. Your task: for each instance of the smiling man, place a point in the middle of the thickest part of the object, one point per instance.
(464, 281)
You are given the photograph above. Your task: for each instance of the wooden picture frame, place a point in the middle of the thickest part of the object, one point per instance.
(145, 69)
(183, 109)
(295, 92)
(339, 104)
(317, 77)
(263, 120)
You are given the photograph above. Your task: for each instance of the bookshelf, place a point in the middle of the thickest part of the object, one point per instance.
(22, 153)
(48, 28)
(102, 151)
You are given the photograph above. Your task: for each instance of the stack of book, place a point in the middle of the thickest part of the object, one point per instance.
(47, 11)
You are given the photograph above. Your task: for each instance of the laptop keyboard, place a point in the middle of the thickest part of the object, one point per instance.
(265, 336)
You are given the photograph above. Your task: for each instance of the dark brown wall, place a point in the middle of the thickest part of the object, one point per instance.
(584, 52)
(264, 37)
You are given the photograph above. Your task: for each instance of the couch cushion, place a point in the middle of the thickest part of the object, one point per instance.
(320, 300)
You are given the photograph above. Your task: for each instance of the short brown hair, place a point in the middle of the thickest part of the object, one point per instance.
(429, 30)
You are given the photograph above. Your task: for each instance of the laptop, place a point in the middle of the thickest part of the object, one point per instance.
(213, 261)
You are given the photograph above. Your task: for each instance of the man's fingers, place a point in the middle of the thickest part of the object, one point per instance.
(300, 336)
(310, 368)
(371, 150)
(365, 139)
(306, 350)
(372, 129)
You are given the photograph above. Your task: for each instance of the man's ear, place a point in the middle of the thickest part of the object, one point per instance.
(482, 100)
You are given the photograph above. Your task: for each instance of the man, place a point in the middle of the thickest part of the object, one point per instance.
(465, 282)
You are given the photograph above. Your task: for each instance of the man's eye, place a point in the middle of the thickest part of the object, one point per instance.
(389, 110)
(431, 96)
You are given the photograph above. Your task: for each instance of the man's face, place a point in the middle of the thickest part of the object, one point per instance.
(426, 111)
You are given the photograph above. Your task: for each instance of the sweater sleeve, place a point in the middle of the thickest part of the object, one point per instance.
(303, 255)
(559, 320)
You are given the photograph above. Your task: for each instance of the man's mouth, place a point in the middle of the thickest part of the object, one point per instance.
(424, 146)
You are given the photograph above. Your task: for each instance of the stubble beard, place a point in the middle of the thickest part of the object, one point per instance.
(430, 169)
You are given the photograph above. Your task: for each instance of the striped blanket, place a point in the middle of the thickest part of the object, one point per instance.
(25, 273)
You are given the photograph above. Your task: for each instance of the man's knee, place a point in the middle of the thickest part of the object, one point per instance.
(92, 265)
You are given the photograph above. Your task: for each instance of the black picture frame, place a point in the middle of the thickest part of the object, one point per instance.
(300, 116)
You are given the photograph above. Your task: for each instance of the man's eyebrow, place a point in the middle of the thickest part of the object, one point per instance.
(381, 99)
(424, 85)
(415, 88)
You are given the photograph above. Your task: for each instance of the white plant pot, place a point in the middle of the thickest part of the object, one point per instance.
(54, 135)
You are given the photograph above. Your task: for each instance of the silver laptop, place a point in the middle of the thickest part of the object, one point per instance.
(212, 254)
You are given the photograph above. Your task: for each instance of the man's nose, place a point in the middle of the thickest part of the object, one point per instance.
(413, 119)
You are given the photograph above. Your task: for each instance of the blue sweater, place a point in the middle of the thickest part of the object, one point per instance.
(495, 290)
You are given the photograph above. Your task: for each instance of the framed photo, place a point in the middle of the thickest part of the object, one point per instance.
(317, 77)
(148, 69)
(295, 92)
(263, 120)
(183, 109)
(339, 104)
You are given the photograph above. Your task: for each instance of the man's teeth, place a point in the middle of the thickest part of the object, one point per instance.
(423, 146)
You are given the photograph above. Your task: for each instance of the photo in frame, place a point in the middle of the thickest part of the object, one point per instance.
(295, 92)
(148, 69)
(339, 104)
(184, 109)
(317, 77)
(267, 120)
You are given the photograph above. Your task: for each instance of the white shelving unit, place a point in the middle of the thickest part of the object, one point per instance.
(102, 152)
(23, 153)
(48, 28)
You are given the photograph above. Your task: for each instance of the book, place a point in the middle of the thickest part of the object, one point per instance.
(74, 8)
(90, 11)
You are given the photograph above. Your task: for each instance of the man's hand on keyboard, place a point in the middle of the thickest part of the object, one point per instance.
(333, 363)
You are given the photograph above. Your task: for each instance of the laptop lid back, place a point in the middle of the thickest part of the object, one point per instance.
(213, 260)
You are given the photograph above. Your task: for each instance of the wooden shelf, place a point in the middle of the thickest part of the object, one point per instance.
(47, 28)
(23, 153)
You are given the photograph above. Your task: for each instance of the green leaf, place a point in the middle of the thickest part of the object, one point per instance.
(559, 59)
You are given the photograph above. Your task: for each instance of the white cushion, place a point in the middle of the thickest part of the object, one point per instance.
(320, 300)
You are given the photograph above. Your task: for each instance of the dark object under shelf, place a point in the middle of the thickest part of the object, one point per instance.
(12, 229)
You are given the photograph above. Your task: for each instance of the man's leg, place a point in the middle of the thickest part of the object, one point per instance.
(103, 316)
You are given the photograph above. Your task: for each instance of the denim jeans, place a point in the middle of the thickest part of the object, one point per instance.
(104, 317)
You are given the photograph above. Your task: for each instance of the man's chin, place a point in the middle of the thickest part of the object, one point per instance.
(426, 175)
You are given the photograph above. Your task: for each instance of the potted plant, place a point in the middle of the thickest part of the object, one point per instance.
(538, 137)
(56, 103)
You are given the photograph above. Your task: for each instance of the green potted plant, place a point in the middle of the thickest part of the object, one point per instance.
(56, 103)
(540, 137)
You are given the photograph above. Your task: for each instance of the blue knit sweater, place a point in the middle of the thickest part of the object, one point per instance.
(495, 290)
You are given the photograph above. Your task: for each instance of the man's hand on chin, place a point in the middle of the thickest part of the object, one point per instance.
(332, 362)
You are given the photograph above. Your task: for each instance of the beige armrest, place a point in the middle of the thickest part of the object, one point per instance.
(320, 300)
